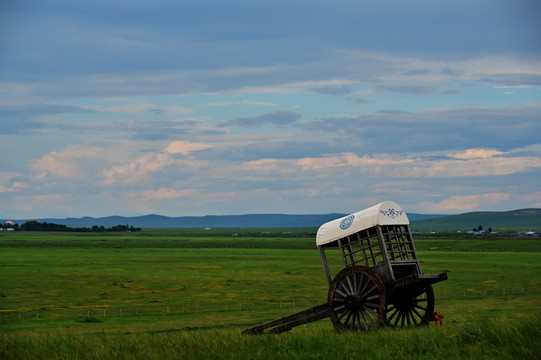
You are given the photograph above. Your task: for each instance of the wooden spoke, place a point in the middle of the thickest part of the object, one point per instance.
(351, 288)
(344, 295)
(365, 325)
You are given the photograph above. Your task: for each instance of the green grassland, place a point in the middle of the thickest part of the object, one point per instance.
(189, 293)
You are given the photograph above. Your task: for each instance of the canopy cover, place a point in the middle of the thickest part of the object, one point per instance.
(385, 213)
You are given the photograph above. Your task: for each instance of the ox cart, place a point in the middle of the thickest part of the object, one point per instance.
(381, 282)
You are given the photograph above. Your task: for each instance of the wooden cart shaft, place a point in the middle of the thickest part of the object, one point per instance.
(286, 323)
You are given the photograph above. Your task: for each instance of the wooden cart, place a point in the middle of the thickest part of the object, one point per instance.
(381, 282)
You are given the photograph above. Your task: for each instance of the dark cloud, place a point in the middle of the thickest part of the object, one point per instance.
(277, 118)
(333, 90)
(19, 126)
(503, 128)
(292, 149)
(31, 110)
(512, 79)
(409, 89)
(416, 72)
(16, 119)
(363, 101)
(450, 92)
(153, 133)
(117, 40)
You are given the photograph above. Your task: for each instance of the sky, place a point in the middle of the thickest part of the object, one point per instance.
(215, 107)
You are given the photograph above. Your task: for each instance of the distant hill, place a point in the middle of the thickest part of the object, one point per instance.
(209, 221)
(522, 219)
(514, 220)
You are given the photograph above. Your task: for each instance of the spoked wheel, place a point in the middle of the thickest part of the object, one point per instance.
(411, 307)
(356, 299)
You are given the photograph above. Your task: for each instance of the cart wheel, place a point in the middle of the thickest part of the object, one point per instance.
(412, 307)
(356, 299)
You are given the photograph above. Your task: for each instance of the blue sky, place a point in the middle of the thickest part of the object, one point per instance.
(233, 107)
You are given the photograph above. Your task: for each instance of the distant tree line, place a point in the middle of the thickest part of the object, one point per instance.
(44, 226)
(480, 227)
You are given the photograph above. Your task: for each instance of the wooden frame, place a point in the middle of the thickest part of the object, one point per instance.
(387, 249)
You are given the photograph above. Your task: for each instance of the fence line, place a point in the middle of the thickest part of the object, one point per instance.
(95, 313)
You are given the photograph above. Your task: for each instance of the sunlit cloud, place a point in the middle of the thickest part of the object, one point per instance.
(476, 154)
(397, 166)
(7, 183)
(136, 171)
(166, 193)
(463, 203)
(186, 147)
(66, 164)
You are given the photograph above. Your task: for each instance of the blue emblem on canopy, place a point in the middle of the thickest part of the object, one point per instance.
(392, 213)
(344, 224)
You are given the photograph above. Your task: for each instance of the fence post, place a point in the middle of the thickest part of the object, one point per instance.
(88, 314)
(168, 309)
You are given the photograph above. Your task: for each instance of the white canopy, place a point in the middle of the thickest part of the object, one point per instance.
(385, 213)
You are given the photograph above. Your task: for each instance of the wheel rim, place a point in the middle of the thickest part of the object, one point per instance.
(356, 299)
(411, 308)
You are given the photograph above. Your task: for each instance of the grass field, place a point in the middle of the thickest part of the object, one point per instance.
(189, 294)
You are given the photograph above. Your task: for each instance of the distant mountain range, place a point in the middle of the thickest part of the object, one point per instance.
(513, 220)
(522, 219)
(209, 221)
